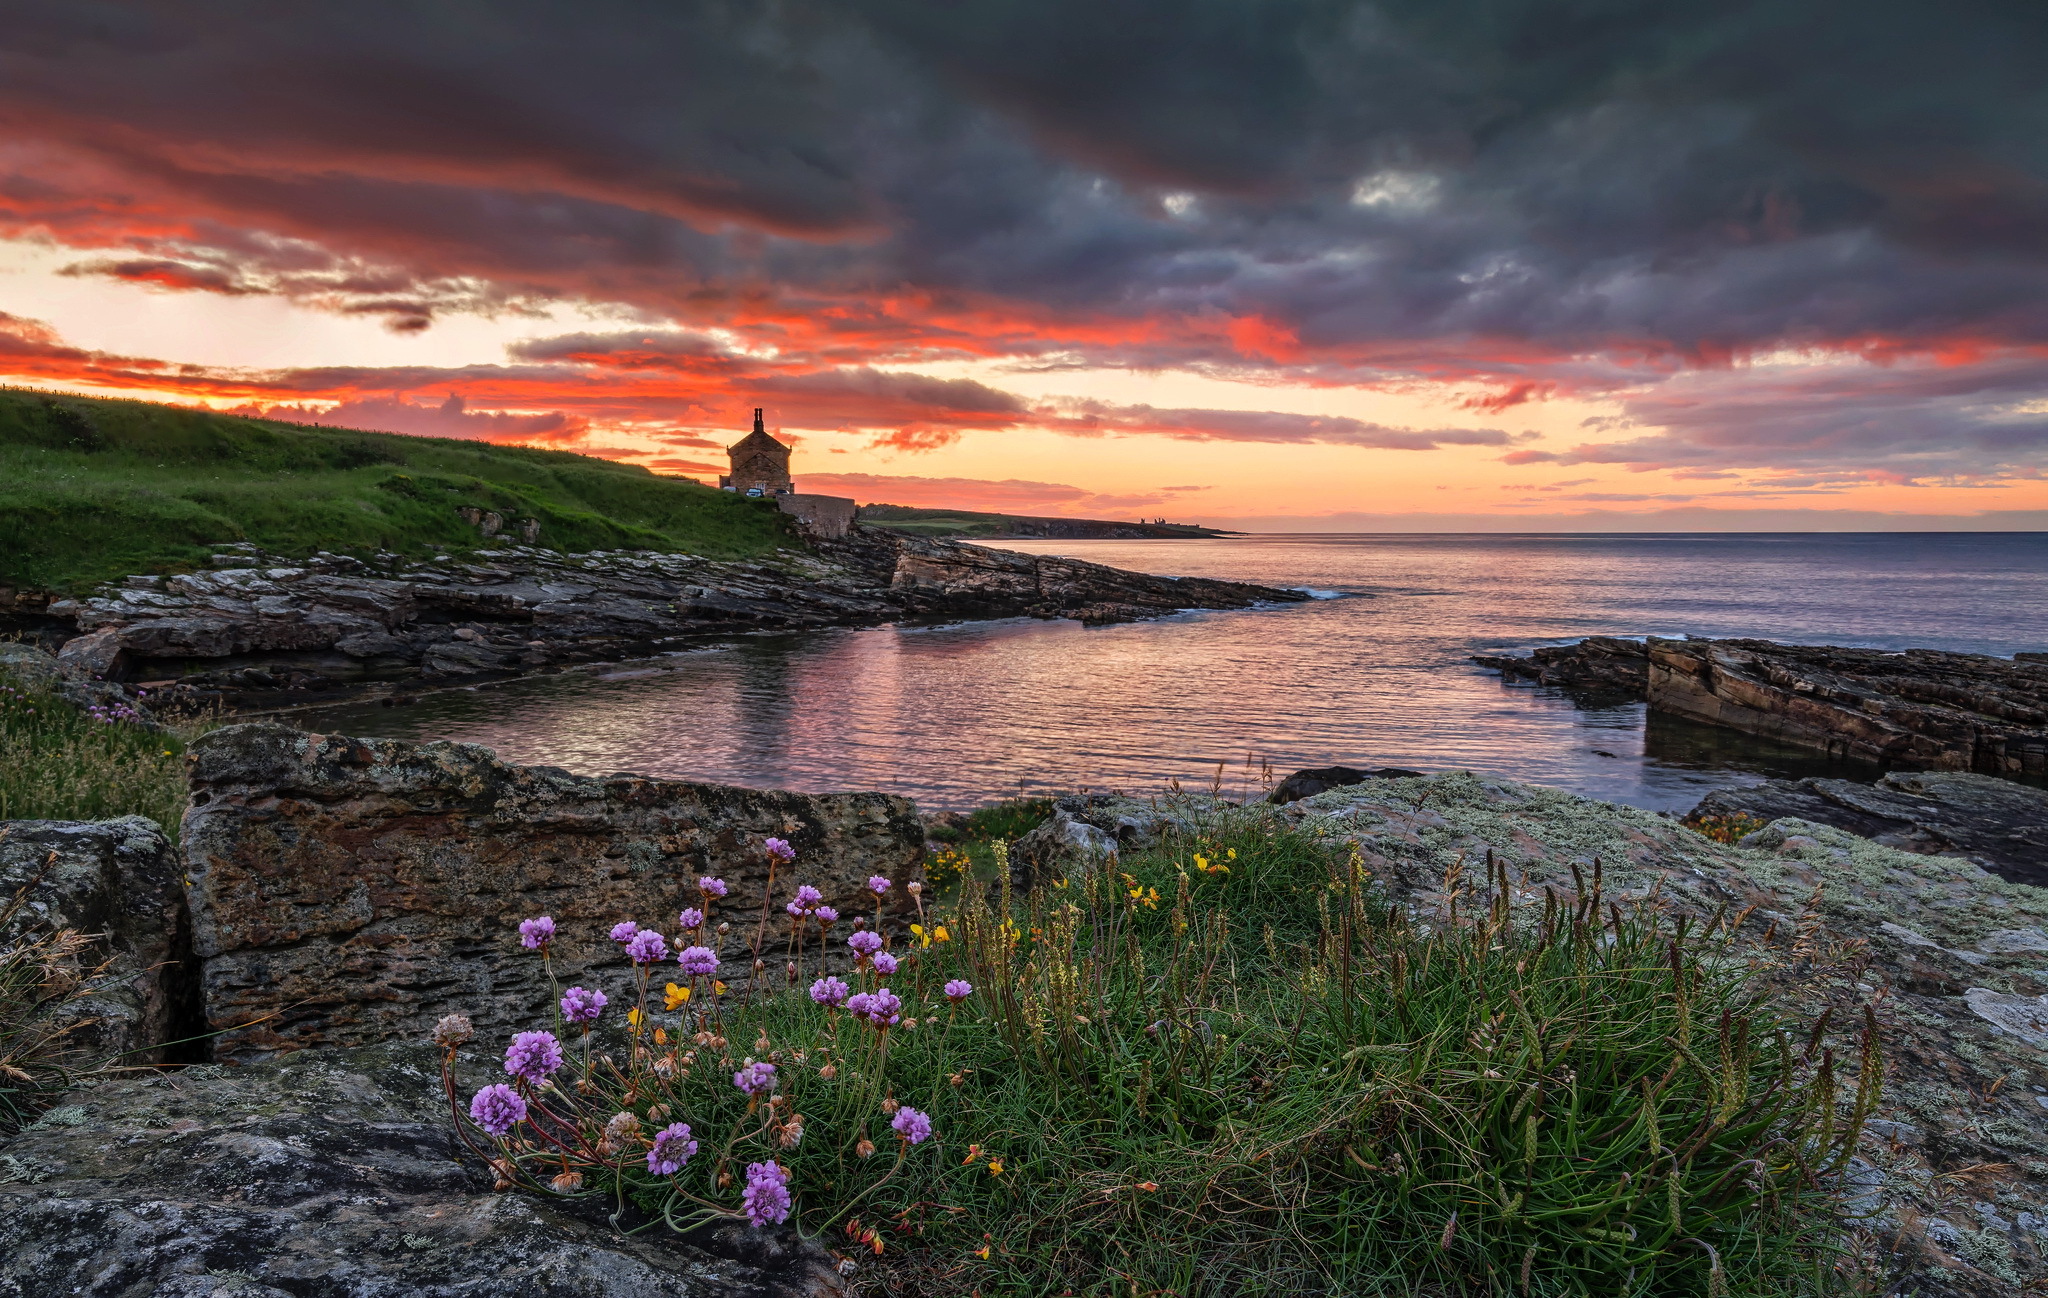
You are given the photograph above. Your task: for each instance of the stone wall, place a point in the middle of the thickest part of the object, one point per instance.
(828, 516)
(346, 891)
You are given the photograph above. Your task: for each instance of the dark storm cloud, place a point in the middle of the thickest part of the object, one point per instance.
(1539, 195)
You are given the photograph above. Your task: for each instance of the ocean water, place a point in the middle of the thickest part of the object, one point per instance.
(1373, 672)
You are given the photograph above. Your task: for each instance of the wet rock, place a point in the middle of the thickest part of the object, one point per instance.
(1308, 783)
(339, 622)
(1916, 710)
(346, 891)
(327, 1174)
(1999, 824)
(1598, 664)
(117, 880)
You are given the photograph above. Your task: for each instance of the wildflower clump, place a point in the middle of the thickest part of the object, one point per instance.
(1229, 1063)
(1725, 829)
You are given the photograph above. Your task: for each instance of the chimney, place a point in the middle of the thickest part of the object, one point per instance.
(757, 420)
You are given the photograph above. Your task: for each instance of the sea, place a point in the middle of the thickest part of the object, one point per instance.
(1375, 670)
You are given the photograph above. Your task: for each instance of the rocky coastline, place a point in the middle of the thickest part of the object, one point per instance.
(315, 1156)
(261, 630)
(1917, 710)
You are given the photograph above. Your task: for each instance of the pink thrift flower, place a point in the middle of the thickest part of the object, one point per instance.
(755, 1078)
(533, 1055)
(647, 946)
(766, 1198)
(623, 932)
(885, 964)
(865, 942)
(698, 961)
(536, 933)
(878, 884)
(912, 1125)
(672, 1149)
(711, 887)
(830, 992)
(497, 1109)
(582, 1005)
(959, 989)
(689, 919)
(779, 849)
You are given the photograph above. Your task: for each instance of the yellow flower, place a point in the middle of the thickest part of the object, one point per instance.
(633, 1017)
(672, 997)
(717, 987)
(1201, 862)
(1232, 854)
(939, 934)
(661, 1036)
(982, 1252)
(995, 1167)
(918, 929)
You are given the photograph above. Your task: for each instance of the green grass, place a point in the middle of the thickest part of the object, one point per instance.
(1227, 1067)
(59, 762)
(93, 489)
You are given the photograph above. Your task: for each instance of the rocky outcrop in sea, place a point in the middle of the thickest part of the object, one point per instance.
(1917, 709)
(259, 623)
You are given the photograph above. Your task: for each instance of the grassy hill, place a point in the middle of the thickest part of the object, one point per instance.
(92, 489)
(969, 525)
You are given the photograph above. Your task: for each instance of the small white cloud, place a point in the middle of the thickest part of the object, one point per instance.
(1179, 204)
(1404, 191)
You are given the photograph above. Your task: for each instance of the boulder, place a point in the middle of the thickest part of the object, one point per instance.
(348, 891)
(1999, 824)
(1061, 845)
(117, 880)
(1308, 783)
(325, 1174)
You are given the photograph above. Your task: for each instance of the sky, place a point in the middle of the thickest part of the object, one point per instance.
(1275, 264)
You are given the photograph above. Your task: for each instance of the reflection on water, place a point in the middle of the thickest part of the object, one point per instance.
(957, 715)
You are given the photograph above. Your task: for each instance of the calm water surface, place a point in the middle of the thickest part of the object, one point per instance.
(1374, 673)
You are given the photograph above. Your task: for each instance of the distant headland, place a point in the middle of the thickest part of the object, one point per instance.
(970, 525)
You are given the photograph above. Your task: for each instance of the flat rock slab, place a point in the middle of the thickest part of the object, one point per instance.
(349, 891)
(327, 1174)
(1917, 710)
(116, 880)
(1999, 824)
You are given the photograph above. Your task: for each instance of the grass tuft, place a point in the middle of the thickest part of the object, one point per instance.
(61, 762)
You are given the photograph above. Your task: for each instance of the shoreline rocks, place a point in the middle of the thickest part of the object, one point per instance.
(1995, 823)
(346, 891)
(1920, 709)
(256, 625)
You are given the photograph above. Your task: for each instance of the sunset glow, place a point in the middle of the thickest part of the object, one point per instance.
(952, 279)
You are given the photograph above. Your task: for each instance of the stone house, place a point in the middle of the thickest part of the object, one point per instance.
(758, 461)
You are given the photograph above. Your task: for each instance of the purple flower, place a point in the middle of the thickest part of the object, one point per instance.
(497, 1109)
(535, 933)
(885, 964)
(829, 992)
(689, 919)
(647, 946)
(826, 915)
(711, 887)
(779, 849)
(808, 897)
(698, 961)
(795, 909)
(959, 990)
(582, 1005)
(865, 942)
(755, 1078)
(533, 1055)
(766, 1198)
(857, 1004)
(878, 884)
(672, 1149)
(881, 1008)
(911, 1125)
(623, 932)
